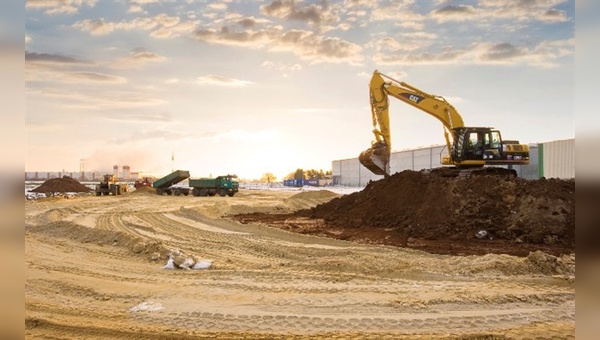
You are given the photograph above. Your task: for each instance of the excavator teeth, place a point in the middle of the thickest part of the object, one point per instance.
(375, 159)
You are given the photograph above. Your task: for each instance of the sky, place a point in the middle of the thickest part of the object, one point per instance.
(250, 87)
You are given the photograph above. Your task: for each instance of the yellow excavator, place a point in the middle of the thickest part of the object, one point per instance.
(471, 150)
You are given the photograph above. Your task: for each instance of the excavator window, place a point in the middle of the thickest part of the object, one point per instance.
(475, 145)
(495, 135)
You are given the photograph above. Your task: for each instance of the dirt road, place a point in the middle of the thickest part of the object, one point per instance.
(94, 269)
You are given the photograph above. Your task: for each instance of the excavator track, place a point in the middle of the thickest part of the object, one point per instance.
(467, 173)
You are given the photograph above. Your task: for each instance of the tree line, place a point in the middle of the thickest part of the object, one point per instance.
(299, 174)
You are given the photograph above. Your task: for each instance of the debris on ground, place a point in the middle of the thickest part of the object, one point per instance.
(179, 260)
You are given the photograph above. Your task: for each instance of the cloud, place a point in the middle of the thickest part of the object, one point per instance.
(246, 38)
(136, 6)
(59, 7)
(98, 100)
(160, 26)
(310, 14)
(51, 59)
(448, 56)
(316, 48)
(543, 55)
(78, 77)
(138, 58)
(305, 44)
(398, 11)
(313, 47)
(553, 15)
(46, 67)
(501, 52)
(455, 13)
(222, 81)
(249, 22)
(405, 42)
(217, 6)
(492, 10)
(95, 26)
(135, 9)
(141, 118)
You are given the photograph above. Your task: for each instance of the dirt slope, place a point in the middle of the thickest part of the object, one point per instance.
(446, 215)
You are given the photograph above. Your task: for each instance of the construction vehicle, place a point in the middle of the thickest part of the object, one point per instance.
(222, 185)
(109, 185)
(144, 182)
(471, 150)
(167, 185)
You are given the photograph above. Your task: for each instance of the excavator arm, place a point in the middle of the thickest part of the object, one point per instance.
(377, 157)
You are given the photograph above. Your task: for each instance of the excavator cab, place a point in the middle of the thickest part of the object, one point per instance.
(478, 146)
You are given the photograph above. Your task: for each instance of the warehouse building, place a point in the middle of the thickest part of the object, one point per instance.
(554, 159)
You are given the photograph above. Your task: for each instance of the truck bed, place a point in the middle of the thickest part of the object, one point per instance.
(171, 179)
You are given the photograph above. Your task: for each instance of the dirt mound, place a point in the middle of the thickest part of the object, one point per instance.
(315, 195)
(308, 199)
(151, 248)
(144, 191)
(64, 184)
(475, 216)
(417, 205)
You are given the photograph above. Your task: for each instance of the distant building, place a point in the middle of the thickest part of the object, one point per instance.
(549, 159)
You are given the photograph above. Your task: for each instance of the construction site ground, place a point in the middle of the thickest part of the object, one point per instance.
(297, 265)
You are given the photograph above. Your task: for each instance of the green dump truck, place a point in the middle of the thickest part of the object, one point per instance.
(166, 185)
(222, 185)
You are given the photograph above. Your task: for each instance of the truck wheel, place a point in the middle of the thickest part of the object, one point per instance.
(203, 192)
(196, 192)
(98, 193)
(159, 192)
(176, 192)
(222, 192)
(231, 194)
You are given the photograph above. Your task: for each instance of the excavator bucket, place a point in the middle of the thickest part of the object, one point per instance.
(375, 158)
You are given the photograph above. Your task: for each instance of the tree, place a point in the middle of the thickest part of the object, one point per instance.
(308, 174)
(299, 174)
(268, 178)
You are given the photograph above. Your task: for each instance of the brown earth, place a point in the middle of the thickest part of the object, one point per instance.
(444, 215)
(61, 185)
(94, 269)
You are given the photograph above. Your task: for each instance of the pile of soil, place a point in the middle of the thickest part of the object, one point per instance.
(478, 215)
(64, 184)
(144, 191)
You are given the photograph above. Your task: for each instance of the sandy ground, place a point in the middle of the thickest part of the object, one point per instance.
(94, 269)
